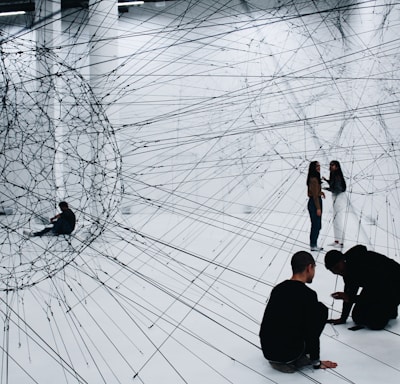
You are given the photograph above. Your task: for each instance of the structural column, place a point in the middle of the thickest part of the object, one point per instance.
(50, 186)
(103, 50)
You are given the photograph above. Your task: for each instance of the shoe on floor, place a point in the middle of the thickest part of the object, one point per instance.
(316, 248)
(394, 313)
(283, 367)
(336, 244)
(303, 361)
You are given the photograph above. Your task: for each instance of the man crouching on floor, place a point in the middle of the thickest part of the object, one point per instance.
(294, 320)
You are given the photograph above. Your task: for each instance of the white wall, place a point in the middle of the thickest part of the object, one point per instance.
(223, 104)
(217, 108)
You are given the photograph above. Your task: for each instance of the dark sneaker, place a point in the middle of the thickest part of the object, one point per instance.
(303, 361)
(282, 367)
(394, 313)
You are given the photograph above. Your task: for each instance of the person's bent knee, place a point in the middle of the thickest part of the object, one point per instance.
(283, 367)
(377, 324)
(373, 324)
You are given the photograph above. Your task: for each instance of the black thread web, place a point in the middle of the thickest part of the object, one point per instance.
(57, 144)
(221, 105)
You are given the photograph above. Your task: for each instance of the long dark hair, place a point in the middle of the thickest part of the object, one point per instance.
(338, 172)
(312, 172)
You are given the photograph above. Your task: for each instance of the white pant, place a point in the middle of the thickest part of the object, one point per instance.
(339, 210)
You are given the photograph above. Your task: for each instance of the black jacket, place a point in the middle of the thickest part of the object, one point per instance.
(336, 182)
(292, 322)
(378, 275)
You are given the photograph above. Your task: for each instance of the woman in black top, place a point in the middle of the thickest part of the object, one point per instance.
(337, 185)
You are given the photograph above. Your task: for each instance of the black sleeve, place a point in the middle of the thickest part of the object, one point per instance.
(315, 325)
(351, 290)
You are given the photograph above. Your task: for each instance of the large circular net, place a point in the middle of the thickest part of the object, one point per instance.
(187, 174)
(56, 144)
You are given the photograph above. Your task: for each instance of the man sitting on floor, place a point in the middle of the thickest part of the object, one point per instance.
(293, 320)
(63, 223)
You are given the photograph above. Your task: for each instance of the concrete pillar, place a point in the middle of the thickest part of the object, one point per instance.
(49, 188)
(103, 50)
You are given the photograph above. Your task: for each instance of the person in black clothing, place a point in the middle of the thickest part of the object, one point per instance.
(293, 320)
(63, 223)
(379, 278)
(337, 186)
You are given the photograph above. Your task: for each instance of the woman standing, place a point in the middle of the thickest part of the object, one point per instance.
(314, 202)
(337, 185)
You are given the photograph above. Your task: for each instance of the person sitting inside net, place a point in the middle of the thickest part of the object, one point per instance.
(63, 223)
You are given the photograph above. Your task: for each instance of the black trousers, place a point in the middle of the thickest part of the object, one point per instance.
(315, 221)
(60, 227)
(374, 309)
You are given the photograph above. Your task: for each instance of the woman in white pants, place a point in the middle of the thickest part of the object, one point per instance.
(337, 185)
